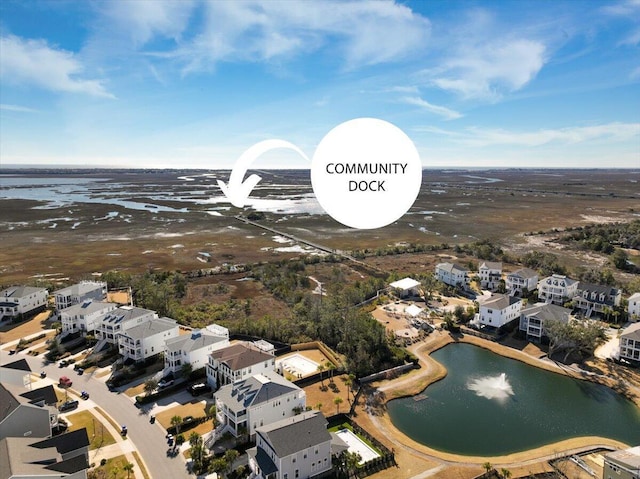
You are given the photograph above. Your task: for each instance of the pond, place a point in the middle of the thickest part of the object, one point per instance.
(489, 405)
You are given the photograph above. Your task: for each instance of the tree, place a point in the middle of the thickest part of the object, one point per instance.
(128, 467)
(505, 473)
(115, 471)
(582, 337)
(620, 259)
(230, 457)
(218, 466)
(186, 369)
(197, 451)
(320, 369)
(150, 385)
(337, 401)
(175, 422)
(487, 466)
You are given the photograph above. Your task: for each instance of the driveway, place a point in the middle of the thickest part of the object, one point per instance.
(149, 439)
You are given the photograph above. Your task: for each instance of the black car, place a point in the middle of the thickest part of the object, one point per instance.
(199, 388)
(68, 405)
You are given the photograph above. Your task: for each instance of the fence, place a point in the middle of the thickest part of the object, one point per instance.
(388, 373)
(324, 349)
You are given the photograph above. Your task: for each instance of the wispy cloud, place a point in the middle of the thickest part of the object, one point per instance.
(442, 111)
(36, 63)
(17, 108)
(484, 137)
(258, 31)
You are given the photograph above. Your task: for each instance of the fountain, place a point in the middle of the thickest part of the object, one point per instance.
(492, 387)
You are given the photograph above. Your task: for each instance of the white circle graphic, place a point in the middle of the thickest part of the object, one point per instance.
(366, 173)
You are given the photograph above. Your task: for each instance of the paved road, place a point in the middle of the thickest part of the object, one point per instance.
(148, 438)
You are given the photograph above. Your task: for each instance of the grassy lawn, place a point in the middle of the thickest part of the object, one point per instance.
(135, 391)
(98, 434)
(113, 468)
(111, 421)
(195, 409)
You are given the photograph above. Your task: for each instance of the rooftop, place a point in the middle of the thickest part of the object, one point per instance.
(194, 341)
(490, 265)
(88, 307)
(297, 433)
(452, 267)
(524, 273)
(500, 301)
(255, 390)
(598, 288)
(18, 292)
(83, 287)
(151, 327)
(632, 332)
(627, 457)
(547, 312)
(405, 283)
(126, 313)
(240, 356)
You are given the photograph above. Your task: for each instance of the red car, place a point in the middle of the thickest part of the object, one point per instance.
(65, 382)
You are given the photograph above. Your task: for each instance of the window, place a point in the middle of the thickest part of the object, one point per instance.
(297, 473)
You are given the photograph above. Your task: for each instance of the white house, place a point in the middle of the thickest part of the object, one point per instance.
(121, 319)
(452, 274)
(533, 318)
(80, 292)
(499, 309)
(257, 401)
(596, 298)
(85, 316)
(406, 287)
(622, 464)
(147, 338)
(194, 348)
(633, 308)
(557, 289)
(520, 280)
(297, 447)
(630, 343)
(236, 362)
(490, 274)
(18, 300)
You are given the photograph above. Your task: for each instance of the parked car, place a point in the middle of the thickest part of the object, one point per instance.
(165, 383)
(199, 388)
(63, 363)
(68, 405)
(65, 382)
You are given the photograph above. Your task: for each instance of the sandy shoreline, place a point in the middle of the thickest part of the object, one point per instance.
(432, 371)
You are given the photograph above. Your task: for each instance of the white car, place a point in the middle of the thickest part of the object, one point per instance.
(163, 384)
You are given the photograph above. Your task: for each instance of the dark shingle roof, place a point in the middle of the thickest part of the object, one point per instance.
(65, 443)
(296, 433)
(20, 364)
(240, 356)
(71, 465)
(254, 390)
(8, 401)
(265, 463)
(46, 394)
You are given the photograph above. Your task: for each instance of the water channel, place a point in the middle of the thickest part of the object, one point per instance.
(489, 405)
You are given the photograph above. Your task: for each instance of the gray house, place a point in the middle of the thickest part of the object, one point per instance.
(24, 417)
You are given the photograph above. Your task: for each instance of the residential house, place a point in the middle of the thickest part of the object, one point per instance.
(522, 280)
(490, 274)
(64, 456)
(499, 309)
(452, 274)
(630, 343)
(121, 319)
(85, 316)
(257, 401)
(16, 373)
(634, 307)
(623, 464)
(406, 287)
(80, 292)
(596, 298)
(20, 300)
(147, 338)
(236, 362)
(194, 348)
(295, 448)
(557, 289)
(22, 416)
(534, 317)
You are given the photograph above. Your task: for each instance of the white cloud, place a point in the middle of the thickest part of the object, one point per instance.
(271, 31)
(442, 111)
(17, 108)
(36, 63)
(485, 137)
(485, 71)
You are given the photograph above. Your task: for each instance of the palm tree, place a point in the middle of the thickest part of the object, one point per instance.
(321, 368)
(175, 422)
(505, 473)
(319, 406)
(150, 385)
(487, 466)
(186, 369)
(115, 471)
(230, 457)
(197, 449)
(337, 401)
(129, 468)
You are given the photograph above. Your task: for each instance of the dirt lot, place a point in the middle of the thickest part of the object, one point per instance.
(12, 332)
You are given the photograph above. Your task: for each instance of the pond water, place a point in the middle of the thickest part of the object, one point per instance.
(489, 405)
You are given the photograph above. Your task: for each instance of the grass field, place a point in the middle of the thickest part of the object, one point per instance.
(98, 434)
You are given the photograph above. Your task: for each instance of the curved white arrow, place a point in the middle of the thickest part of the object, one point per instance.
(237, 191)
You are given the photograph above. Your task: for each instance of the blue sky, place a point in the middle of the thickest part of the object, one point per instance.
(192, 84)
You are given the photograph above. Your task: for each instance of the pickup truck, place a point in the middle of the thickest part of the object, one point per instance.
(68, 406)
(65, 382)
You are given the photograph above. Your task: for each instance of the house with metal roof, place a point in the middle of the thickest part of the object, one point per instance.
(297, 447)
(194, 348)
(80, 292)
(146, 339)
(257, 401)
(20, 300)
